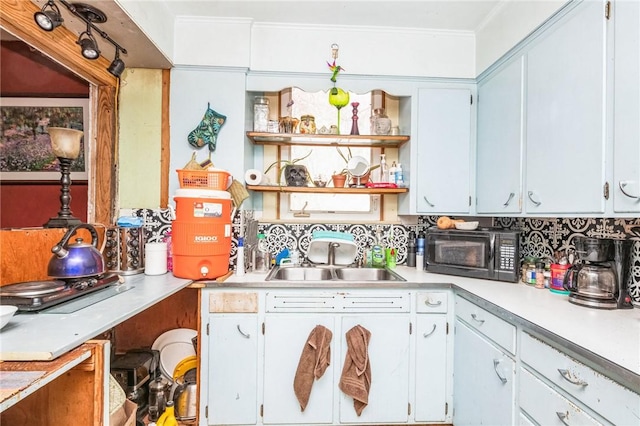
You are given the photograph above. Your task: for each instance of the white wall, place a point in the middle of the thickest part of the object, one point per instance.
(307, 48)
(507, 25)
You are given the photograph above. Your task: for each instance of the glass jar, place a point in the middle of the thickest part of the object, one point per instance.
(260, 114)
(529, 270)
(307, 124)
(539, 274)
(381, 123)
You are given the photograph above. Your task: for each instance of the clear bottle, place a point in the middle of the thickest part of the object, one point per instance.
(384, 172)
(399, 178)
(263, 257)
(392, 172)
(260, 114)
(539, 274)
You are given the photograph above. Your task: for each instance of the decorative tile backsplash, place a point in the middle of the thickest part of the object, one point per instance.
(541, 237)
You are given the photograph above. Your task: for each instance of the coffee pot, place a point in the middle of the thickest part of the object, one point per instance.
(599, 279)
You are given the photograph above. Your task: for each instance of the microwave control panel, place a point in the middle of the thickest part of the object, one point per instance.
(507, 254)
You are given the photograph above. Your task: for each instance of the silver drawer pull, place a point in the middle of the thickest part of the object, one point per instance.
(536, 202)
(567, 376)
(245, 335)
(431, 332)
(496, 363)
(511, 195)
(481, 321)
(563, 417)
(429, 303)
(428, 202)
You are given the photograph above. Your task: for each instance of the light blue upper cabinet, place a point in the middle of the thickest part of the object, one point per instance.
(444, 149)
(499, 152)
(626, 142)
(565, 115)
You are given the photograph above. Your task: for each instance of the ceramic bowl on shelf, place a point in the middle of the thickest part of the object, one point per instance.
(6, 313)
(467, 226)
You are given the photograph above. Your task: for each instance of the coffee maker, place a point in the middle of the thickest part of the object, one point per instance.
(599, 278)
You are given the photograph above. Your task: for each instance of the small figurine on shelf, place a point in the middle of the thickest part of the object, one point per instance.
(354, 119)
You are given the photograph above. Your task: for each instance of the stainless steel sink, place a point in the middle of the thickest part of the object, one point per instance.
(325, 273)
(366, 274)
(292, 273)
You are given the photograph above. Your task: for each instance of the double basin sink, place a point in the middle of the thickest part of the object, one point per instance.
(331, 273)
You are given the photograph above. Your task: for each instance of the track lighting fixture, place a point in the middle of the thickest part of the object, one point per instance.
(117, 66)
(50, 18)
(88, 45)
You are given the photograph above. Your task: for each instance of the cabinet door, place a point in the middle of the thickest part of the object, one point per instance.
(499, 149)
(285, 337)
(389, 358)
(626, 148)
(483, 381)
(565, 115)
(444, 144)
(431, 368)
(233, 355)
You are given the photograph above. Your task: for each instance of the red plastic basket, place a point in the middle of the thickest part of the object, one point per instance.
(211, 179)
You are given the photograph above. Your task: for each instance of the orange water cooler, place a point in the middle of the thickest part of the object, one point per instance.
(201, 233)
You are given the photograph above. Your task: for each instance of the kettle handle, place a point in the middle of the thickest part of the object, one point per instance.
(568, 276)
(71, 232)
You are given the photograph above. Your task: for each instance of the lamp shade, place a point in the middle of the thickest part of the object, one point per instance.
(65, 142)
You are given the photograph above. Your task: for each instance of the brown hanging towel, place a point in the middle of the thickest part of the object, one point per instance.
(314, 360)
(355, 380)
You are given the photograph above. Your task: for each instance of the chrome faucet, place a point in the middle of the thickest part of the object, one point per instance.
(331, 256)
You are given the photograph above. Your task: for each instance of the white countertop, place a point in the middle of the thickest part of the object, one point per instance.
(610, 334)
(46, 336)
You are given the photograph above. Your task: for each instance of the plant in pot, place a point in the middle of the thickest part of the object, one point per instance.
(348, 156)
(294, 174)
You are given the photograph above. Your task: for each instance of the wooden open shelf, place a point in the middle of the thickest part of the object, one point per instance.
(387, 141)
(326, 190)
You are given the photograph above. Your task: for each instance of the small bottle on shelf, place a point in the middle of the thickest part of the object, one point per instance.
(392, 172)
(399, 177)
(384, 172)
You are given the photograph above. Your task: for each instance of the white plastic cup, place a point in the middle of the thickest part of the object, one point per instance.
(155, 262)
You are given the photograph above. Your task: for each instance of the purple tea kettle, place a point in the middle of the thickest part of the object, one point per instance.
(76, 260)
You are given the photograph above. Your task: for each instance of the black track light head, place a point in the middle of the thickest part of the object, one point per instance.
(88, 45)
(117, 66)
(49, 17)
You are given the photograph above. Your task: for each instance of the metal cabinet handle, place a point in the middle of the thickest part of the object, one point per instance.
(511, 195)
(622, 184)
(530, 194)
(431, 332)
(496, 363)
(567, 376)
(563, 417)
(245, 335)
(475, 318)
(429, 303)
(428, 202)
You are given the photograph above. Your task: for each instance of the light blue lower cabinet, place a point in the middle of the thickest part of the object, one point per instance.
(483, 380)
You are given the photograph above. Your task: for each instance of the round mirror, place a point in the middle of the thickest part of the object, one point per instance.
(358, 166)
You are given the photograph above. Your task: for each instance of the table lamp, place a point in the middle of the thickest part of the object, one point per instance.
(65, 144)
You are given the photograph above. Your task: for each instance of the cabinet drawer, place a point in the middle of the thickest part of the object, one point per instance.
(497, 329)
(609, 399)
(338, 302)
(546, 406)
(302, 302)
(228, 302)
(432, 302)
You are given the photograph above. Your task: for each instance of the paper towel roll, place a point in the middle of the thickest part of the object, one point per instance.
(255, 177)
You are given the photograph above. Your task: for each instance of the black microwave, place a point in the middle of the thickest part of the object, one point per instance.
(488, 253)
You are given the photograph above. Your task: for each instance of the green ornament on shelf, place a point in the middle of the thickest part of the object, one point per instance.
(339, 99)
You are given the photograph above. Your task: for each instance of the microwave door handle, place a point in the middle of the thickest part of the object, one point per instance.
(492, 245)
